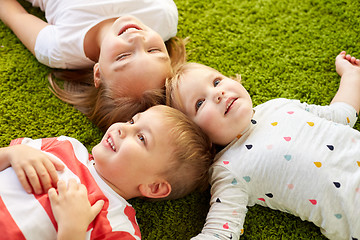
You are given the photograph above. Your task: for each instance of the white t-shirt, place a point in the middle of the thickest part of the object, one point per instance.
(297, 158)
(61, 44)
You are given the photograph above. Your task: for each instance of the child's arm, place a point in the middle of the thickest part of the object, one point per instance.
(72, 210)
(349, 90)
(25, 26)
(35, 169)
(228, 208)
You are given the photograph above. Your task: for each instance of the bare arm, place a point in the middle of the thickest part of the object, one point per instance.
(35, 170)
(349, 90)
(25, 26)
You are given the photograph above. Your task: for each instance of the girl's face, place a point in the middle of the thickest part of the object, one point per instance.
(133, 58)
(219, 105)
(134, 153)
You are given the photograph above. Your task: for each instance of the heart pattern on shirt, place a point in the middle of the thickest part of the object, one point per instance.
(338, 216)
(249, 146)
(247, 178)
(318, 164)
(234, 182)
(330, 147)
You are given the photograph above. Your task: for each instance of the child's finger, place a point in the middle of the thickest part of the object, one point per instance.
(59, 166)
(33, 178)
(96, 208)
(82, 188)
(44, 176)
(53, 196)
(54, 199)
(61, 187)
(72, 184)
(53, 175)
(23, 180)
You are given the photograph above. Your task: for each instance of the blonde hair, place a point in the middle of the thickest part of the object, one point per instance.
(191, 157)
(173, 98)
(98, 104)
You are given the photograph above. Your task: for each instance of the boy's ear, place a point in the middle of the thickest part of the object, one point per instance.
(155, 190)
(96, 70)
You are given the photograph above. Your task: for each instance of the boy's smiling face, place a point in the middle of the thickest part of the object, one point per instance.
(134, 153)
(219, 105)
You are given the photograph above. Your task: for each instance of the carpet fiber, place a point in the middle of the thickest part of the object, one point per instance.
(281, 48)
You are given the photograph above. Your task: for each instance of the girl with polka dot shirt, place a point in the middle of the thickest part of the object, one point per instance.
(294, 157)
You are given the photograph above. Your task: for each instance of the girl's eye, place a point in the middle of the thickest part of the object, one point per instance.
(131, 121)
(154, 50)
(122, 56)
(142, 138)
(198, 104)
(216, 81)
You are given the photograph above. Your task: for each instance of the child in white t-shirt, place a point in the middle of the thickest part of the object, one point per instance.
(123, 51)
(290, 156)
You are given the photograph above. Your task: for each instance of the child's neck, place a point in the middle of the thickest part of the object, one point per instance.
(94, 37)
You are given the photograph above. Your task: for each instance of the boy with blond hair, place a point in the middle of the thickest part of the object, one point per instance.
(158, 154)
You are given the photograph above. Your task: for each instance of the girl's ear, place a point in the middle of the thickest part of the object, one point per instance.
(96, 75)
(155, 190)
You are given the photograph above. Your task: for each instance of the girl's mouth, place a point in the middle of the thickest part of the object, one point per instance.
(128, 27)
(229, 104)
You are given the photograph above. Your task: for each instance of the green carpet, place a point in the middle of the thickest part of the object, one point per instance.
(282, 48)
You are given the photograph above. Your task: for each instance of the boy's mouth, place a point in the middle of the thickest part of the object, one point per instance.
(111, 143)
(229, 104)
(128, 27)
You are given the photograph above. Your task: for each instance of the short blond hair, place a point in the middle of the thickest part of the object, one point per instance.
(173, 98)
(191, 157)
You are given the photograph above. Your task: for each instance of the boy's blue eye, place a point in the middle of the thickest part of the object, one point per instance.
(216, 81)
(198, 104)
(131, 121)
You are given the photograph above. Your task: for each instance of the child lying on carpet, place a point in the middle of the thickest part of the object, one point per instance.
(122, 60)
(298, 158)
(159, 154)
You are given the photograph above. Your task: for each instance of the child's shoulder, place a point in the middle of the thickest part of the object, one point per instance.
(72, 140)
(276, 103)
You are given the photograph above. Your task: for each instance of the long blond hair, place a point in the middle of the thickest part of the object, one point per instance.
(97, 103)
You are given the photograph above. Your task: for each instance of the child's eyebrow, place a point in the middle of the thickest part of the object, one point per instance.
(163, 58)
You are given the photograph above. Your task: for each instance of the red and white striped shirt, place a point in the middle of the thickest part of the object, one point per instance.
(29, 216)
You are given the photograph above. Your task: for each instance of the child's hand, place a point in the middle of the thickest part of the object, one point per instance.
(35, 169)
(72, 210)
